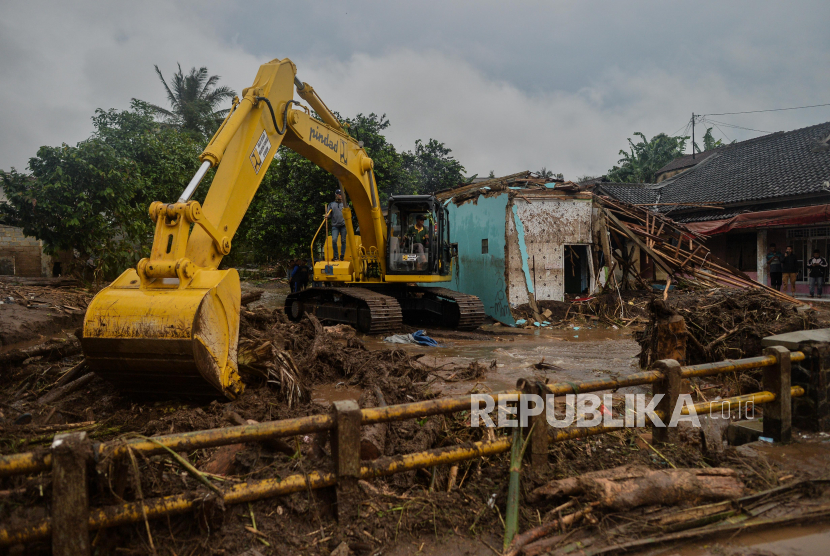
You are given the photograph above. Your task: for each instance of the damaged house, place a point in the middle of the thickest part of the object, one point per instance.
(521, 239)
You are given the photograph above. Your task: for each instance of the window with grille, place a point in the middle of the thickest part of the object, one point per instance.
(484, 247)
(823, 232)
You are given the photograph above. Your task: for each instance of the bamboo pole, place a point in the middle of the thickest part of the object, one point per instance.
(511, 516)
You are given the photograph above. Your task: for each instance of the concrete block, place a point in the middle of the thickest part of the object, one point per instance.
(743, 432)
(791, 340)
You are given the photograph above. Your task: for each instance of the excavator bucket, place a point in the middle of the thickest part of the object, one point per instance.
(166, 339)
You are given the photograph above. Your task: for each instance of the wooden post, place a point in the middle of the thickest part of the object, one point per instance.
(668, 335)
(761, 256)
(777, 379)
(539, 440)
(812, 411)
(346, 452)
(671, 339)
(670, 388)
(70, 497)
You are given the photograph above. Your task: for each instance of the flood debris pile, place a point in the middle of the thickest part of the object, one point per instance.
(632, 506)
(726, 323)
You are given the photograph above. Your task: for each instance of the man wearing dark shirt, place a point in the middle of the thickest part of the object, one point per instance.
(338, 225)
(817, 266)
(789, 268)
(774, 265)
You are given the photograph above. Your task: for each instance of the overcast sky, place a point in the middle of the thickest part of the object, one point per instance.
(508, 86)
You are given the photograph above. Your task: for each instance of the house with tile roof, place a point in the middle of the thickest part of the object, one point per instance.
(771, 189)
(680, 165)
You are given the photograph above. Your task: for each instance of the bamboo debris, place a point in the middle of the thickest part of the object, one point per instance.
(512, 512)
(674, 248)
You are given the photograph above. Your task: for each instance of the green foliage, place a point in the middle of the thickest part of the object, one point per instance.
(93, 198)
(709, 142)
(548, 174)
(194, 99)
(391, 176)
(644, 158)
(432, 167)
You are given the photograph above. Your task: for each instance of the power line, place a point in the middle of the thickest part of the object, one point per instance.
(726, 124)
(771, 110)
(724, 134)
(684, 128)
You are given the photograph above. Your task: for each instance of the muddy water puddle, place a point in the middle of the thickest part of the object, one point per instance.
(41, 339)
(273, 294)
(326, 394)
(555, 355)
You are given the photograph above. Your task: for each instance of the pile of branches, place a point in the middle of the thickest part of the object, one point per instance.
(728, 324)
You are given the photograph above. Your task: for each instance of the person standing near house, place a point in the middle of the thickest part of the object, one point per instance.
(817, 266)
(774, 266)
(789, 268)
(338, 225)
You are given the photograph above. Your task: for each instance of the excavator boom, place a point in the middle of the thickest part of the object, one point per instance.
(171, 325)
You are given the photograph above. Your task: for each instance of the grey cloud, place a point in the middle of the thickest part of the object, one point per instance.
(507, 86)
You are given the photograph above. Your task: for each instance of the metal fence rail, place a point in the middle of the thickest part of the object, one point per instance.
(345, 421)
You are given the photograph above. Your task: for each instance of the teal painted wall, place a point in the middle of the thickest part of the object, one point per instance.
(478, 274)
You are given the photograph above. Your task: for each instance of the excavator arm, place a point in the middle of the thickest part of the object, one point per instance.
(171, 325)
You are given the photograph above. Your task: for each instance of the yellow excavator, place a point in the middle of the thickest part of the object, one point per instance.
(171, 325)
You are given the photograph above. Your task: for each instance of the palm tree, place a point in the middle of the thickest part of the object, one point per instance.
(194, 99)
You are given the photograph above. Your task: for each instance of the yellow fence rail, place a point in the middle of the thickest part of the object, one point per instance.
(346, 419)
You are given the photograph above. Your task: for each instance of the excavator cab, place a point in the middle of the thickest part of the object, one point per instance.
(418, 229)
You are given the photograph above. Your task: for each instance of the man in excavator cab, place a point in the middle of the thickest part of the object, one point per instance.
(171, 324)
(419, 235)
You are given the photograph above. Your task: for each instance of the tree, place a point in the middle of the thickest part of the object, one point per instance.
(194, 99)
(392, 178)
(709, 141)
(93, 198)
(549, 175)
(432, 167)
(644, 158)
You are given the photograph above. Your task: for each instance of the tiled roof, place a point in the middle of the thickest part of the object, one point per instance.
(686, 161)
(634, 193)
(779, 165)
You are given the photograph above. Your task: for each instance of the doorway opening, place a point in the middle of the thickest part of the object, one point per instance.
(577, 275)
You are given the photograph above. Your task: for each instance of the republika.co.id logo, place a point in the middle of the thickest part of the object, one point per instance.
(589, 410)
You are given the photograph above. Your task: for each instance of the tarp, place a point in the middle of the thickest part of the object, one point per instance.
(782, 217)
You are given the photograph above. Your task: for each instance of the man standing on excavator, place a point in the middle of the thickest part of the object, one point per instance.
(338, 225)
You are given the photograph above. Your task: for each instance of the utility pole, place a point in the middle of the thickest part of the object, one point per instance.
(693, 135)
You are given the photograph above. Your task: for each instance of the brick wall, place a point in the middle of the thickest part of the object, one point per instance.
(22, 254)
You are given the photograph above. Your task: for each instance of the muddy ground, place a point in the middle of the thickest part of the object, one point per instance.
(411, 513)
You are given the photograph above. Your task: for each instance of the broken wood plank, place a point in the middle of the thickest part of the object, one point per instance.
(57, 393)
(658, 260)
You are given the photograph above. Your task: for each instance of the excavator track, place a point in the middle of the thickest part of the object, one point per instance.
(367, 310)
(470, 309)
